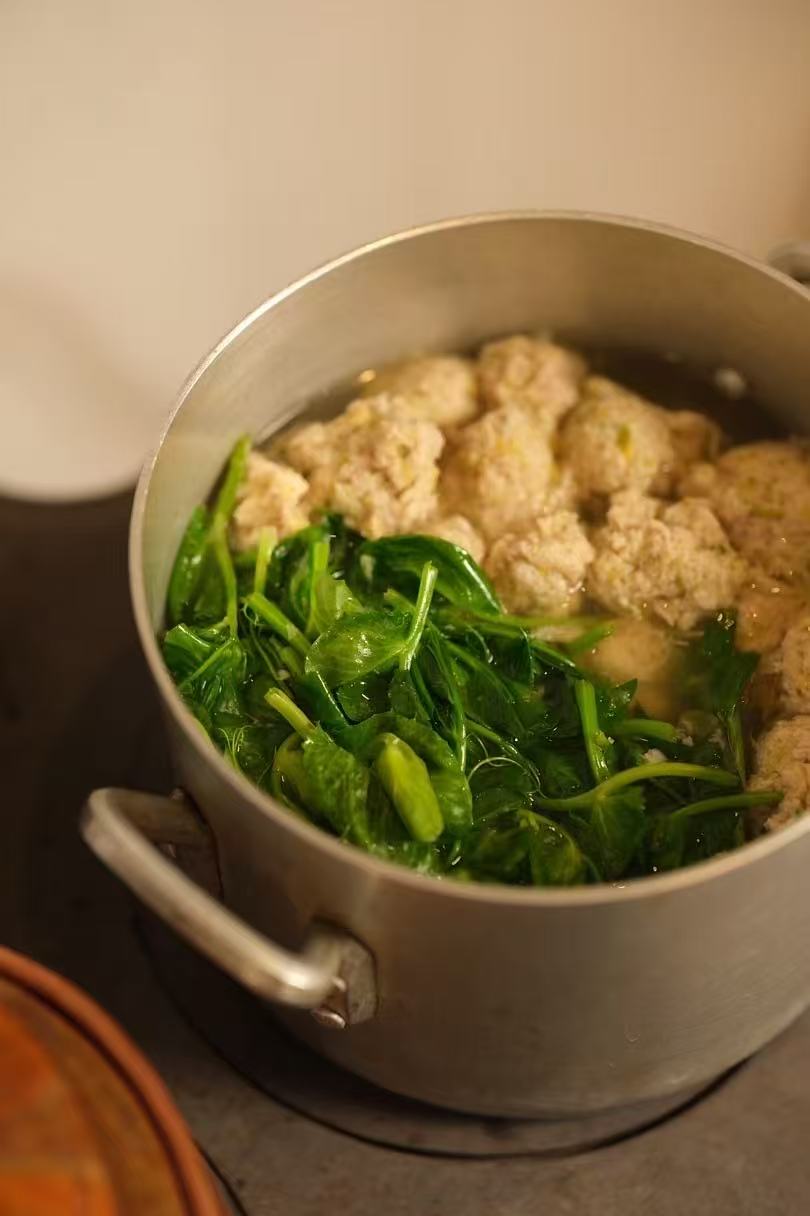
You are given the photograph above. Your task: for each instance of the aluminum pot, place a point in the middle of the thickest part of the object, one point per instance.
(487, 999)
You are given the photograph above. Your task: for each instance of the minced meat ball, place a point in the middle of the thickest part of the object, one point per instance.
(498, 471)
(695, 438)
(614, 440)
(766, 609)
(794, 667)
(761, 492)
(533, 373)
(671, 561)
(782, 762)
(272, 495)
(375, 464)
(542, 568)
(439, 388)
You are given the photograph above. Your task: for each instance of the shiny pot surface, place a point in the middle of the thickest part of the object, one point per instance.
(503, 1001)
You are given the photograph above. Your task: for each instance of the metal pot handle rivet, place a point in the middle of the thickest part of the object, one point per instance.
(332, 975)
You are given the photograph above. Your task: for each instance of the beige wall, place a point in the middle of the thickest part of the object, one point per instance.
(167, 164)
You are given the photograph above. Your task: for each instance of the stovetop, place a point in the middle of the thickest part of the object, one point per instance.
(283, 1131)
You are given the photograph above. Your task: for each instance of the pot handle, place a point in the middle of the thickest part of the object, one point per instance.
(332, 976)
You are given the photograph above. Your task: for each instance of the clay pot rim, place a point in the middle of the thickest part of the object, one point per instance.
(121, 1053)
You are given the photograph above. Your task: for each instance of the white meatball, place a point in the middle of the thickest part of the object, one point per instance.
(530, 372)
(306, 448)
(542, 569)
(648, 653)
(271, 495)
(761, 492)
(766, 609)
(614, 440)
(794, 664)
(440, 389)
(376, 464)
(695, 438)
(459, 531)
(498, 471)
(385, 471)
(782, 762)
(671, 561)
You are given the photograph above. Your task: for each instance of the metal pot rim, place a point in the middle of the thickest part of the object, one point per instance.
(529, 897)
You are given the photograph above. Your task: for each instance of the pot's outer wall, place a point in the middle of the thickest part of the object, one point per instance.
(505, 1003)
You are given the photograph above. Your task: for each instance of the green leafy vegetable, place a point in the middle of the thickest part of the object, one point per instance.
(377, 689)
(398, 561)
(596, 741)
(555, 858)
(722, 673)
(187, 566)
(405, 779)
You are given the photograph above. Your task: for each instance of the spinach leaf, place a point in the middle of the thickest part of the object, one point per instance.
(214, 688)
(331, 598)
(361, 699)
(398, 561)
(448, 780)
(555, 858)
(436, 670)
(455, 799)
(202, 586)
(562, 774)
(327, 780)
(702, 829)
(363, 642)
(407, 698)
(722, 673)
(336, 786)
(616, 829)
(499, 852)
(485, 697)
(357, 645)
(186, 570)
(251, 748)
(186, 648)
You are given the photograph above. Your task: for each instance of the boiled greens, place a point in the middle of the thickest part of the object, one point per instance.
(378, 689)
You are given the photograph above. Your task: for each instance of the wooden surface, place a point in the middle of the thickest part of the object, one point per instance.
(86, 1125)
(73, 1135)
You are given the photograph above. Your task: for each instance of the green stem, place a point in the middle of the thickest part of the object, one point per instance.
(641, 772)
(203, 668)
(590, 638)
(234, 476)
(267, 543)
(646, 728)
(728, 802)
(593, 735)
(318, 565)
(582, 621)
(397, 600)
(219, 542)
(272, 615)
(284, 705)
(505, 626)
(426, 586)
(436, 646)
(734, 734)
